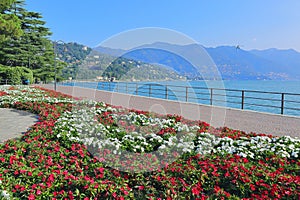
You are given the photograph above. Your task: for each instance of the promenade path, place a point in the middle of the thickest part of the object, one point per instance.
(248, 121)
(14, 122)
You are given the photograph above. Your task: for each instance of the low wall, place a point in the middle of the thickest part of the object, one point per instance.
(249, 121)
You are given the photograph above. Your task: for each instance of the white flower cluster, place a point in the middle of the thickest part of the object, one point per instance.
(81, 125)
(31, 95)
(254, 147)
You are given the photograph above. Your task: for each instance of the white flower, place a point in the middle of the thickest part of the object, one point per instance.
(5, 194)
(295, 154)
(242, 154)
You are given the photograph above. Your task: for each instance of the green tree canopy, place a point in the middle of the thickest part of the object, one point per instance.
(33, 49)
(10, 24)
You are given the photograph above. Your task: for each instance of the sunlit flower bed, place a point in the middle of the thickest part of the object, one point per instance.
(90, 150)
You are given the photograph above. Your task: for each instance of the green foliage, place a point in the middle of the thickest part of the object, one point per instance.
(16, 75)
(10, 25)
(33, 49)
(119, 67)
(6, 4)
(72, 54)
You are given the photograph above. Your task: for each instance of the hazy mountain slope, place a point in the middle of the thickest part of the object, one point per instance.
(103, 65)
(289, 59)
(241, 64)
(232, 63)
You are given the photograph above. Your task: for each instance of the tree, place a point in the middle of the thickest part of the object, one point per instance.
(10, 25)
(33, 49)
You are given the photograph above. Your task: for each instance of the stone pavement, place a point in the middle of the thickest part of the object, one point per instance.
(14, 122)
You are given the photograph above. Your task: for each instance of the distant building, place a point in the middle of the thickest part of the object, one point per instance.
(100, 78)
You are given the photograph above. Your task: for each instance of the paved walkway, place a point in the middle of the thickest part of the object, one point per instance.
(14, 122)
(248, 121)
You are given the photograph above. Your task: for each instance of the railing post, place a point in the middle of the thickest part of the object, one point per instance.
(211, 96)
(166, 92)
(243, 99)
(137, 88)
(117, 88)
(126, 87)
(150, 90)
(282, 103)
(109, 83)
(102, 85)
(186, 93)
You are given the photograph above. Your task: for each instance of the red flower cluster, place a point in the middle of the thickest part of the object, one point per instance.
(2, 93)
(40, 166)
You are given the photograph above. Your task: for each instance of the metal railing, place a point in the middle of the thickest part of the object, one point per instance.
(273, 102)
(12, 82)
(5, 82)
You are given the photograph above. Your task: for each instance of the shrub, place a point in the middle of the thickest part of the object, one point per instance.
(15, 75)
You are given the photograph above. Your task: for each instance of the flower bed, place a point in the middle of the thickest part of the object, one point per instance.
(90, 150)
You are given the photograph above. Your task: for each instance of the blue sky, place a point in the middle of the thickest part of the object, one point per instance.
(253, 24)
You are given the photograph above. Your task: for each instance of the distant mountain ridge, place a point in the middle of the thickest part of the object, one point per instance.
(232, 62)
(288, 58)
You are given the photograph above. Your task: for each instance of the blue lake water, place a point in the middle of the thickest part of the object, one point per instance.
(263, 96)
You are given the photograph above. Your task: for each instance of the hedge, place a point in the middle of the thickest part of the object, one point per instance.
(15, 75)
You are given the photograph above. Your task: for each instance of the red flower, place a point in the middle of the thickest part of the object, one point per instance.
(31, 197)
(195, 191)
(141, 187)
(70, 195)
(51, 178)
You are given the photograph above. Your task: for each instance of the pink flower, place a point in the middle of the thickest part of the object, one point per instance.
(31, 197)
(141, 187)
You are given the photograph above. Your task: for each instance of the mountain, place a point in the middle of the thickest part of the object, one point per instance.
(82, 62)
(236, 63)
(72, 54)
(193, 61)
(103, 66)
(110, 51)
(289, 59)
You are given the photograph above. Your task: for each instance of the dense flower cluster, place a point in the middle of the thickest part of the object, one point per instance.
(149, 133)
(77, 150)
